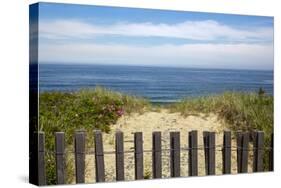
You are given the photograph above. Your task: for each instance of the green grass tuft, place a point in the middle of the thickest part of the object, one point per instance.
(242, 111)
(82, 110)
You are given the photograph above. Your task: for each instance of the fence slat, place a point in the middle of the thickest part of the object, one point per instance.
(206, 145)
(60, 157)
(99, 157)
(239, 150)
(210, 154)
(119, 156)
(156, 155)
(80, 156)
(271, 154)
(226, 152)
(138, 155)
(193, 153)
(245, 152)
(258, 151)
(41, 158)
(175, 154)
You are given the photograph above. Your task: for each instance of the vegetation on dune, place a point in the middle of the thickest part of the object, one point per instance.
(242, 111)
(82, 110)
(85, 110)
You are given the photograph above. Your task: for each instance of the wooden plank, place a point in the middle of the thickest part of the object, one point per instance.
(210, 152)
(271, 154)
(258, 151)
(156, 155)
(60, 157)
(239, 150)
(79, 148)
(226, 153)
(175, 154)
(119, 156)
(99, 157)
(138, 155)
(206, 151)
(41, 159)
(245, 152)
(193, 153)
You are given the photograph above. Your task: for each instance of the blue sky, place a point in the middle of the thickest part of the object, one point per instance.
(112, 35)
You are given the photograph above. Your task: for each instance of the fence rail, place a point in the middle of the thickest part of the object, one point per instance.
(209, 147)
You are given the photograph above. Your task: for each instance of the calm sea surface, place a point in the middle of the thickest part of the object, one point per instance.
(159, 84)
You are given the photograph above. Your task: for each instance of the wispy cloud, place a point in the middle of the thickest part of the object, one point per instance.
(250, 56)
(206, 30)
(214, 45)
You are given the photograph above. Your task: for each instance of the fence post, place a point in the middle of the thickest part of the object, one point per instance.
(156, 155)
(210, 154)
(206, 149)
(41, 158)
(242, 152)
(245, 148)
(226, 152)
(175, 154)
(271, 154)
(258, 151)
(193, 153)
(80, 156)
(138, 142)
(119, 155)
(60, 157)
(239, 150)
(99, 157)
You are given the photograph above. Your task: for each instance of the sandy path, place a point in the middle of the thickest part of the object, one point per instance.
(165, 122)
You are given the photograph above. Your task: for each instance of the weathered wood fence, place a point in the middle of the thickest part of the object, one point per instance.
(242, 149)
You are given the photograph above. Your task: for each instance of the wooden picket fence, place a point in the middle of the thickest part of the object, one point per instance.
(242, 148)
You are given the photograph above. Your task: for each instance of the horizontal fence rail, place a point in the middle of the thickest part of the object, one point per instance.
(209, 147)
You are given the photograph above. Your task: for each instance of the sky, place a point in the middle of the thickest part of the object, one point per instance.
(82, 34)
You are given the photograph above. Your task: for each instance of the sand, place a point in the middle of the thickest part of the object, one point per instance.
(165, 122)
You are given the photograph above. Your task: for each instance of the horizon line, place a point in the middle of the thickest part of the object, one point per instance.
(161, 66)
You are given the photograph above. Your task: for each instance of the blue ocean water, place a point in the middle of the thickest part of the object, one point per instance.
(159, 84)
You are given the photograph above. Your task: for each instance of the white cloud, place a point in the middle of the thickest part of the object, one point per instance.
(249, 56)
(210, 54)
(207, 30)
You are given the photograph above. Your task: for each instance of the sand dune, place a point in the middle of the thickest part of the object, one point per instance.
(165, 122)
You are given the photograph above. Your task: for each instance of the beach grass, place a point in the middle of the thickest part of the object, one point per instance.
(85, 109)
(82, 110)
(242, 111)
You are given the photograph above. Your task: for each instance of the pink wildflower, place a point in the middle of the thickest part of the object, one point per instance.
(120, 112)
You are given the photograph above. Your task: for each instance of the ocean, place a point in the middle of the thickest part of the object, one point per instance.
(158, 84)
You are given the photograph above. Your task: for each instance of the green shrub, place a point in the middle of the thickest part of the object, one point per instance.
(82, 110)
(241, 111)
